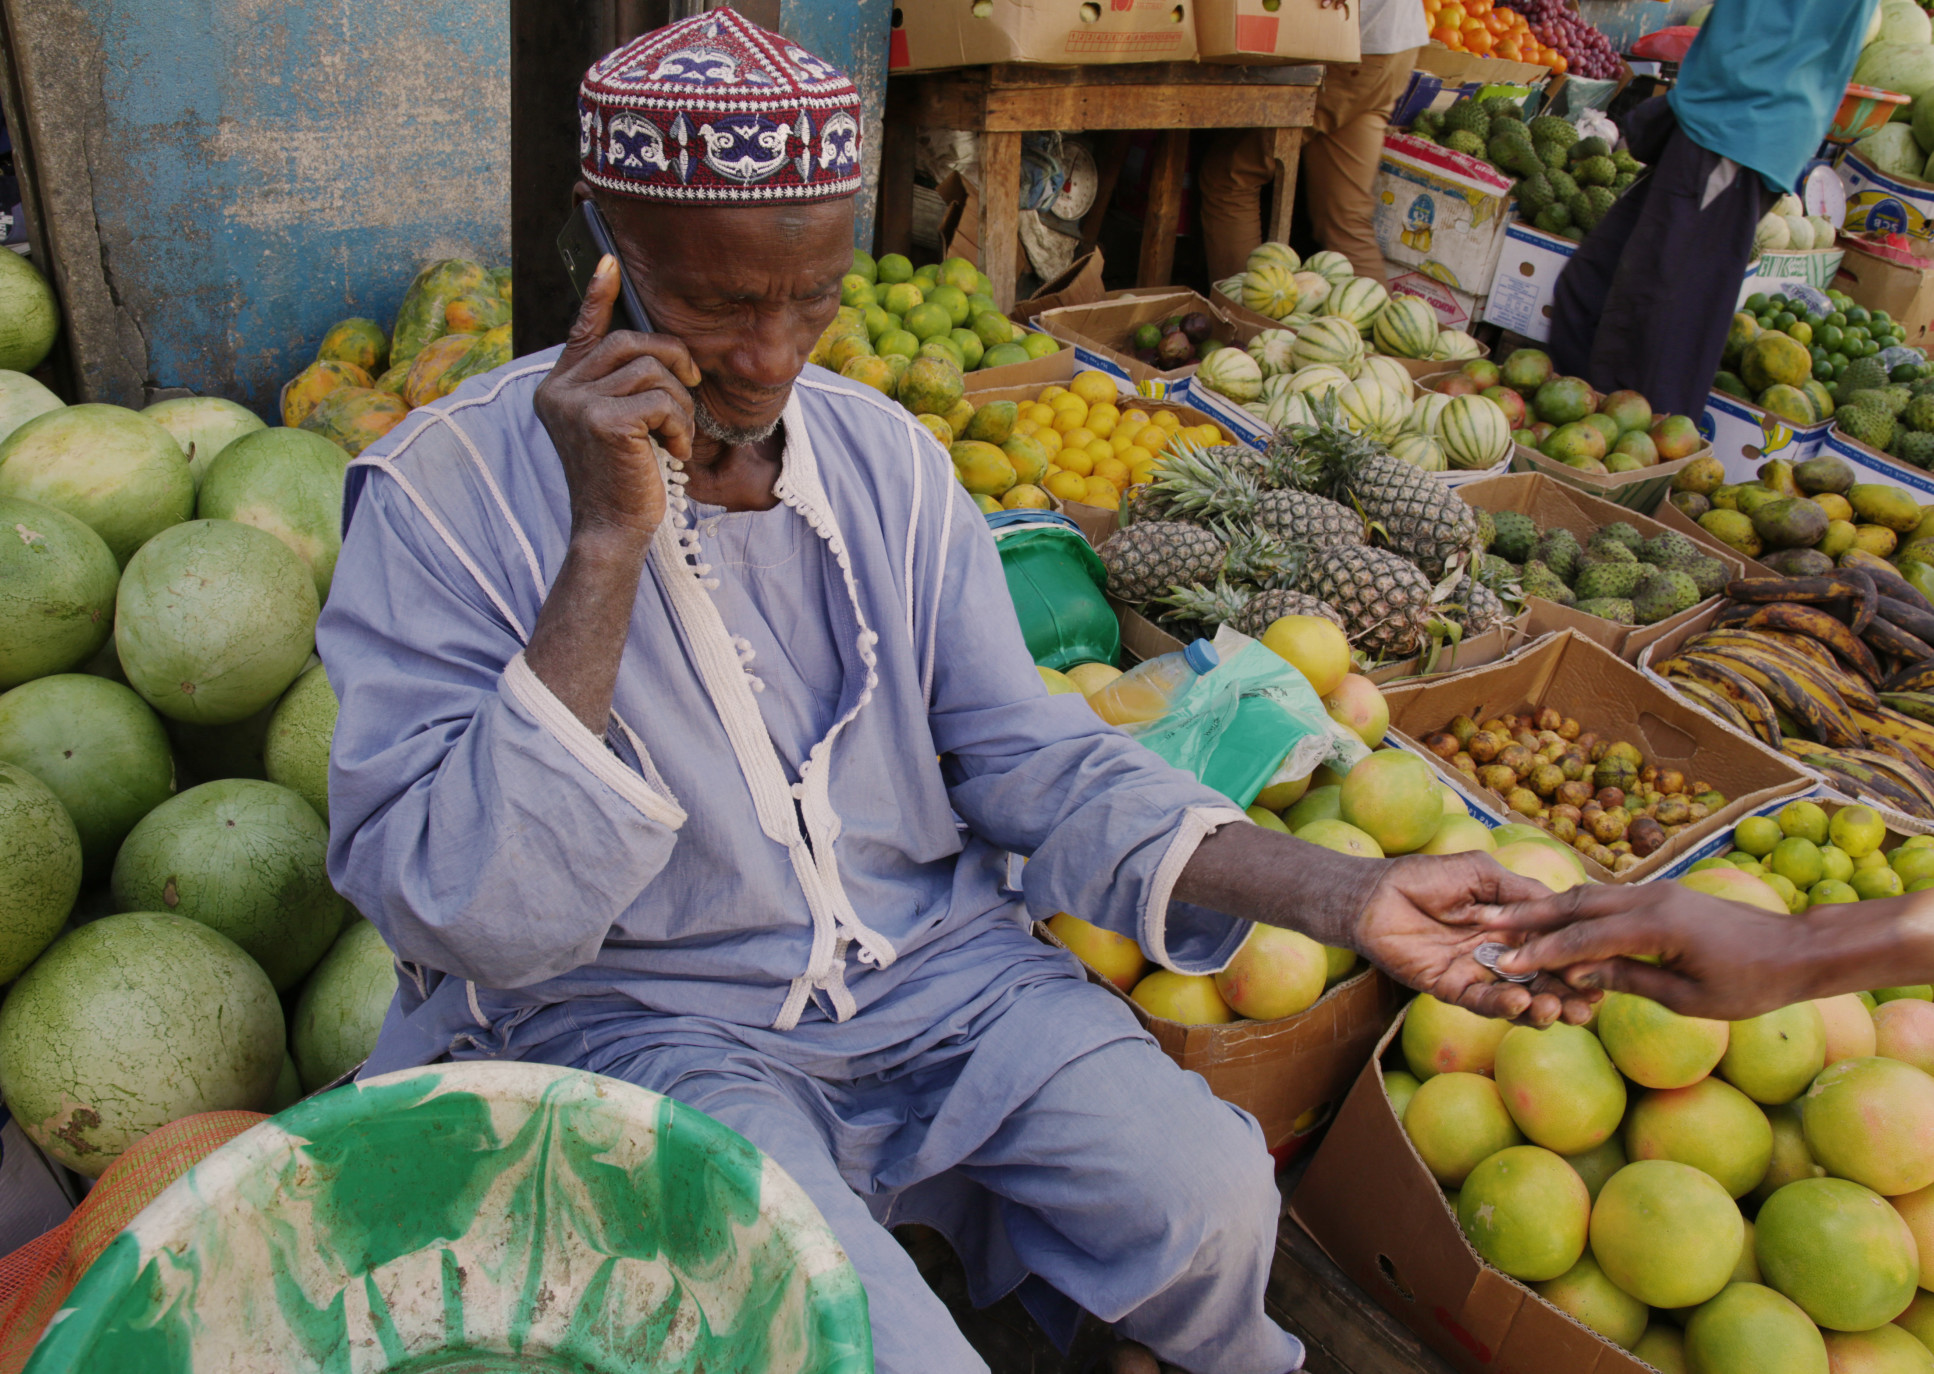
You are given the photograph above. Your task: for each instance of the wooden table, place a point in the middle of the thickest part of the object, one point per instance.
(1000, 103)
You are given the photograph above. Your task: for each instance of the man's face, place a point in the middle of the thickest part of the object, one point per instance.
(748, 289)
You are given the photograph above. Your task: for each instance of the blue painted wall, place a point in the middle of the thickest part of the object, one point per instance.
(262, 170)
(852, 35)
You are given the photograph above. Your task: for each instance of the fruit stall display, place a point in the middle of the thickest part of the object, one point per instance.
(1517, 33)
(1825, 853)
(1892, 416)
(891, 315)
(454, 324)
(1616, 574)
(1804, 365)
(1899, 57)
(164, 747)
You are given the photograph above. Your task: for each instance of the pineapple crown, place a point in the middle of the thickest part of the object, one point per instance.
(1320, 457)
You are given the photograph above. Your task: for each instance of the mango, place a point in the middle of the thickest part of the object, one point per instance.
(1734, 529)
(1839, 1251)
(1560, 1087)
(1439, 1037)
(1825, 473)
(1656, 1047)
(1870, 1120)
(1457, 1121)
(1710, 1125)
(1878, 504)
(1750, 1329)
(1703, 475)
(1790, 523)
(1525, 1211)
(1772, 1058)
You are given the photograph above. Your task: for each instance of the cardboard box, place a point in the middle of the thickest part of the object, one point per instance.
(1466, 68)
(1640, 491)
(1374, 1208)
(1881, 204)
(1258, 32)
(1440, 212)
(1744, 435)
(1101, 334)
(1607, 695)
(1552, 505)
(1900, 284)
(1871, 465)
(1454, 309)
(1526, 280)
(927, 36)
(1079, 285)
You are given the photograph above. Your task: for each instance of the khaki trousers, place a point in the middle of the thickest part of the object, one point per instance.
(1340, 156)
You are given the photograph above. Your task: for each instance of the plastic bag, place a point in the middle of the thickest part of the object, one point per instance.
(1251, 720)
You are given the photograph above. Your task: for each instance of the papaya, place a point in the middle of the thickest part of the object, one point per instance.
(355, 417)
(491, 350)
(1745, 328)
(393, 380)
(427, 370)
(500, 280)
(302, 391)
(1775, 359)
(1789, 403)
(421, 319)
(474, 312)
(357, 341)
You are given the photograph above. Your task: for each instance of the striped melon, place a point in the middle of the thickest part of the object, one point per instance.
(1392, 374)
(1231, 287)
(1333, 340)
(1454, 345)
(1420, 451)
(1427, 410)
(1233, 373)
(1292, 408)
(1270, 290)
(1257, 408)
(1474, 432)
(1372, 409)
(1271, 349)
(1406, 327)
(1273, 254)
(1334, 267)
(1319, 379)
(1357, 300)
(1314, 286)
(1278, 386)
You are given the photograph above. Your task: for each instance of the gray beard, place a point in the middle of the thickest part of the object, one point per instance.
(732, 436)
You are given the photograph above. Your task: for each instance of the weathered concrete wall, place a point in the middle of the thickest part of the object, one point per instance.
(254, 171)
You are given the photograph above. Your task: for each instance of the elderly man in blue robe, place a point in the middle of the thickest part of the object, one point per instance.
(686, 731)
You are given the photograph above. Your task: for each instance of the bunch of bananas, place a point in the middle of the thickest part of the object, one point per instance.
(1836, 672)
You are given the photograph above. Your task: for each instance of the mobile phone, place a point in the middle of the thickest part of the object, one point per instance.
(585, 239)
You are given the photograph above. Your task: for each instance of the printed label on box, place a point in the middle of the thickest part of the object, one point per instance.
(1526, 281)
(1880, 204)
(1871, 465)
(1454, 309)
(1441, 212)
(1743, 436)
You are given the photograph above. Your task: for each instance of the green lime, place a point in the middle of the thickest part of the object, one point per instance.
(977, 304)
(856, 292)
(1784, 886)
(1831, 892)
(895, 267)
(1831, 336)
(1919, 885)
(1917, 992)
(1001, 355)
(1757, 835)
(928, 321)
(962, 273)
(878, 322)
(903, 297)
(970, 346)
(954, 301)
(897, 341)
(1039, 345)
(983, 285)
(1918, 842)
(1858, 315)
(1787, 320)
(1798, 861)
(1857, 829)
(1913, 865)
(940, 346)
(1836, 863)
(1869, 861)
(1757, 302)
(1872, 883)
(864, 266)
(1740, 856)
(1804, 820)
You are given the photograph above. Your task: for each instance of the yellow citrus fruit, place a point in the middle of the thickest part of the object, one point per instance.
(1209, 434)
(1138, 457)
(1118, 441)
(1113, 469)
(1102, 492)
(1065, 420)
(1093, 387)
(1135, 415)
(1101, 449)
(1314, 647)
(1140, 477)
(1027, 496)
(1048, 439)
(1048, 393)
(1025, 426)
(1068, 486)
(1102, 418)
(1040, 413)
(1076, 460)
(1167, 419)
(1078, 437)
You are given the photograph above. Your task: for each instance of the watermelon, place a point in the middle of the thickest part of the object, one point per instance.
(242, 857)
(40, 868)
(213, 620)
(131, 1022)
(1406, 327)
(113, 469)
(342, 1006)
(296, 752)
(1270, 290)
(1907, 68)
(1474, 432)
(29, 315)
(57, 581)
(1273, 254)
(1233, 373)
(1420, 451)
(1271, 349)
(422, 318)
(98, 747)
(1332, 340)
(203, 426)
(288, 1086)
(1357, 300)
(1332, 266)
(22, 398)
(357, 341)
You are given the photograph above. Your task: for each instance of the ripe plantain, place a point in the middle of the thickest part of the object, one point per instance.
(1811, 702)
(1720, 677)
(1819, 627)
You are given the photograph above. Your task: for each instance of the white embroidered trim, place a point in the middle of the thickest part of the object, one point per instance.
(586, 748)
(1198, 823)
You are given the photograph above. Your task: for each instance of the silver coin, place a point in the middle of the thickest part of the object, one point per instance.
(1488, 955)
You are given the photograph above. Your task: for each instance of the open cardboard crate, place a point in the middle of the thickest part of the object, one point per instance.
(1102, 334)
(1374, 1208)
(1553, 505)
(1605, 694)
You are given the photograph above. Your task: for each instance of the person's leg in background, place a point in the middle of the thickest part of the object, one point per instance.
(1229, 188)
(1343, 149)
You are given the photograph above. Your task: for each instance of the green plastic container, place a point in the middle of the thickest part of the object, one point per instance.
(1058, 586)
(488, 1218)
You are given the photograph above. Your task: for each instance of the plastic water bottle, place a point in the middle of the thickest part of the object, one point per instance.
(1146, 691)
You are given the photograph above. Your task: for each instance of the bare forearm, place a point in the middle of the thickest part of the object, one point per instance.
(580, 635)
(1872, 945)
(1245, 870)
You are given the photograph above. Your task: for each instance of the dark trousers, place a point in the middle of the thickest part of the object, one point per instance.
(1647, 300)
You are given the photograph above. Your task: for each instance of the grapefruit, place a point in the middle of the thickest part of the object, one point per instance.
(22, 398)
(129, 1023)
(1664, 1348)
(1883, 1350)
(1560, 1087)
(1188, 998)
(114, 470)
(1276, 973)
(98, 747)
(1544, 861)
(1441, 1037)
(57, 581)
(1918, 1320)
(29, 315)
(1358, 706)
(1456, 1121)
(1525, 1211)
(1872, 1121)
(1115, 957)
(1710, 1125)
(245, 858)
(1904, 1030)
(1583, 1293)
(1790, 1160)
(1656, 1047)
(342, 1006)
(1459, 835)
(1750, 1329)
(1399, 1087)
(1772, 1058)
(1318, 803)
(1666, 1233)
(296, 752)
(214, 620)
(1849, 1027)
(40, 868)
(288, 482)
(1839, 1251)
(1917, 1210)
(1598, 1164)
(203, 426)
(1313, 646)
(1393, 798)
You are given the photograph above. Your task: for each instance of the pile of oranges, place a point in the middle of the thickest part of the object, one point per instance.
(1096, 450)
(1487, 29)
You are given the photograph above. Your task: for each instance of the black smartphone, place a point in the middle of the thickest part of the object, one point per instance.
(585, 239)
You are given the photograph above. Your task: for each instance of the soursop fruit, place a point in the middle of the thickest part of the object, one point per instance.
(1919, 415)
(1503, 107)
(1539, 580)
(1594, 171)
(1563, 186)
(1916, 447)
(1662, 594)
(1623, 180)
(1602, 199)
(1866, 422)
(1586, 148)
(1600, 580)
(1552, 155)
(1466, 116)
(1551, 129)
(1534, 195)
(1497, 573)
(1893, 399)
(1708, 575)
(1614, 608)
(1862, 374)
(1464, 141)
(1554, 218)
(1559, 551)
(1668, 549)
(1626, 163)
(1514, 154)
(1428, 124)
(1607, 552)
(1620, 533)
(1517, 535)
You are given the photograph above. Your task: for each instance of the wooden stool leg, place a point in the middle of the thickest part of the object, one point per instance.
(1164, 208)
(1285, 149)
(1000, 213)
(894, 231)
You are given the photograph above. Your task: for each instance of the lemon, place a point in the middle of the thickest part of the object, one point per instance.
(1757, 835)
(1112, 469)
(1804, 820)
(1102, 493)
(1313, 646)
(1835, 863)
(1913, 865)
(1048, 393)
(1876, 859)
(1798, 862)
(1067, 486)
(1039, 345)
(1831, 892)
(1093, 387)
(1857, 829)
(1102, 419)
(1872, 883)
(1075, 460)
(902, 297)
(1167, 419)
(895, 267)
(1078, 437)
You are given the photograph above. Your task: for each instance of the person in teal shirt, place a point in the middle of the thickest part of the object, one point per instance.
(1647, 300)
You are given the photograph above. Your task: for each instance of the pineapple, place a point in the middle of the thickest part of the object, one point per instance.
(1419, 517)
(1476, 607)
(1196, 486)
(1147, 559)
(1241, 608)
(1384, 599)
(1266, 608)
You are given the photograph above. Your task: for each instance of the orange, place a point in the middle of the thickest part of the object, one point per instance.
(1048, 393)
(1080, 436)
(1138, 415)
(1076, 460)
(1093, 387)
(1480, 41)
(1101, 451)
(1102, 419)
(1048, 439)
(1449, 35)
(1065, 420)
(1138, 457)
(1068, 486)
(1041, 413)
(1167, 419)
(1103, 493)
(1113, 469)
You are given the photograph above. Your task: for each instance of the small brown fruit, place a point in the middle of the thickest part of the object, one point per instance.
(1649, 774)
(1464, 763)
(1517, 758)
(1569, 728)
(1546, 779)
(1646, 835)
(1549, 719)
(1573, 793)
(1697, 812)
(1610, 824)
(1568, 812)
(1524, 801)
(1625, 863)
(1463, 727)
(1497, 777)
(1442, 743)
(1484, 746)
(1601, 856)
(1563, 827)
(1598, 750)
(1608, 797)
(1709, 799)
(1671, 780)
